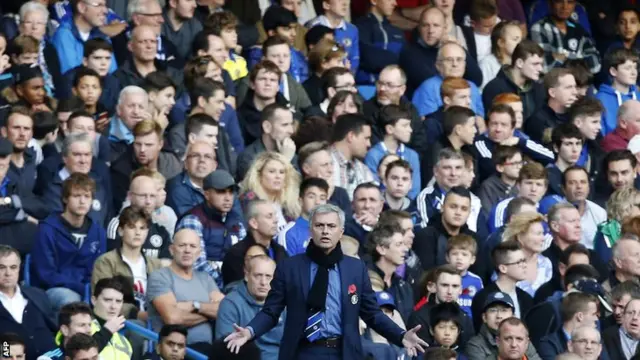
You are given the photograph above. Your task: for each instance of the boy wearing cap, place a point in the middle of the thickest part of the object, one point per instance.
(461, 253)
(216, 221)
(497, 307)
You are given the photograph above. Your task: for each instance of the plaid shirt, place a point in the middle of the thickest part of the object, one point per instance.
(349, 174)
(576, 44)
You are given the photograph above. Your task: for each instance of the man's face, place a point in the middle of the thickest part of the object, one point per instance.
(628, 25)
(621, 174)
(484, 26)
(173, 347)
(345, 82)
(455, 210)
(516, 265)
(79, 157)
(32, 91)
(448, 173)
(628, 260)
(326, 231)
(312, 197)
(360, 143)
(494, 314)
(17, 352)
(184, 8)
(282, 127)
(367, 200)
(586, 344)
(590, 315)
(512, 342)
(460, 97)
(339, 8)
(280, 55)
(34, 23)
(562, 9)
(133, 109)
(9, 271)
(147, 148)
(398, 182)
(143, 194)
(432, 27)
(94, 12)
(144, 44)
(452, 61)
(100, 61)
(511, 168)
(259, 278)
(229, 36)
(320, 164)
(186, 249)
(518, 109)
(531, 67)
(576, 188)
(627, 73)
(215, 105)
(570, 225)
(163, 100)
(89, 90)
(396, 252)
(91, 354)
(389, 87)
(618, 306)
(266, 85)
(217, 50)
(631, 319)
(19, 131)
(200, 160)
(566, 92)
(500, 126)
(151, 16)
(569, 150)
(221, 200)
(385, 7)
(408, 234)
(108, 303)
(266, 221)
(402, 130)
(532, 189)
(83, 125)
(631, 122)
(445, 333)
(468, 131)
(288, 33)
(79, 324)
(589, 125)
(448, 288)
(134, 234)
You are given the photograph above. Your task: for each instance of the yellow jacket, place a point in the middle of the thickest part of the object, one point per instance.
(118, 347)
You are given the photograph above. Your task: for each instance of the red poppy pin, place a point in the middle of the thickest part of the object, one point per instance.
(352, 289)
(352, 294)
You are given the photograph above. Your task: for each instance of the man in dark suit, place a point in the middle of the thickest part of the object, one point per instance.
(24, 310)
(621, 342)
(323, 301)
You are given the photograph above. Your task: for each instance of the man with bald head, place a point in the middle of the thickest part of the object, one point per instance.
(143, 46)
(142, 196)
(585, 343)
(450, 62)
(628, 126)
(177, 294)
(417, 57)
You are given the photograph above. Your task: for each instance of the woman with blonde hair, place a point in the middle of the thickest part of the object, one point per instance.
(271, 177)
(623, 204)
(528, 229)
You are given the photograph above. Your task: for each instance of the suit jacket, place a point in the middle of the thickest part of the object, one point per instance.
(290, 287)
(552, 345)
(612, 344)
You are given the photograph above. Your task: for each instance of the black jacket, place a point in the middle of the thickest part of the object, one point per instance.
(477, 306)
(493, 190)
(430, 243)
(539, 125)
(422, 317)
(611, 341)
(127, 74)
(553, 253)
(250, 117)
(533, 96)
(233, 262)
(430, 157)
(122, 54)
(313, 87)
(15, 230)
(400, 290)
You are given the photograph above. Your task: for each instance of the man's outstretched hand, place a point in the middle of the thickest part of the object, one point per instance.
(239, 337)
(413, 343)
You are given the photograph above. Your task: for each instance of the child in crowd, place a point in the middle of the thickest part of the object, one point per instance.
(88, 88)
(381, 170)
(397, 182)
(504, 39)
(224, 25)
(24, 50)
(295, 236)
(502, 184)
(162, 93)
(461, 253)
(445, 324)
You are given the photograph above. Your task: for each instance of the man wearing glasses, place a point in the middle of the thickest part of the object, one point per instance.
(69, 39)
(586, 343)
(621, 342)
(497, 307)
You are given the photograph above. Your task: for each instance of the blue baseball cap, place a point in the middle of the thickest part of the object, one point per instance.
(498, 297)
(385, 299)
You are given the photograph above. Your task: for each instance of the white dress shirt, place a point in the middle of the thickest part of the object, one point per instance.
(15, 305)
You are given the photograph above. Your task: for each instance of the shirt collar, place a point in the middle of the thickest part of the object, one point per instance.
(16, 295)
(323, 20)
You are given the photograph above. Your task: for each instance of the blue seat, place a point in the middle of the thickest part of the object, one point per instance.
(26, 281)
(367, 91)
(150, 335)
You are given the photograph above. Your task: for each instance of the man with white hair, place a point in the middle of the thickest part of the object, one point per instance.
(132, 108)
(621, 342)
(586, 343)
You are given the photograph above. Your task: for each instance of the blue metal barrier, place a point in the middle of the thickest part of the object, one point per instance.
(27, 270)
(150, 335)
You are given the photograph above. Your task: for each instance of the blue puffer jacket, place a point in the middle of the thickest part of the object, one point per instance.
(380, 45)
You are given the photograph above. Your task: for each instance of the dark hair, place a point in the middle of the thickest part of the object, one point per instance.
(454, 116)
(515, 205)
(391, 114)
(169, 329)
(329, 78)
(500, 253)
(312, 129)
(218, 21)
(565, 131)
(195, 122)
(79, 342)
(95, 44)
(70, 104)
(552, 78)
(269, 112)
(347, 123)
(10, 338)
(620, 56)
(580, 71)
(204, 87)
(439, 353)
(380, 236)
(77, 114)
(580, 272)
(44, 122)
(502, 154)
(130, 216)
(366, 185)
(71, 309)
(525, 49)
(315, 34)
(78, 181)
(85, 71)
(341, 97)
(574, 303)
(398, 163)
(108, 283)
(201, 42)
(446, 311)
(266, 65)
(460, 191)
(619, 155)
(565, 255)
(570, 169)
(482, 9)
(278, 16)
(158, 81)
(273, 41)
(630, 287)
(502, 109)
(584, 107)
(196, 68)
(313, 182)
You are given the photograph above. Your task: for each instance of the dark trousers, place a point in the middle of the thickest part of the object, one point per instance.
(319, 353)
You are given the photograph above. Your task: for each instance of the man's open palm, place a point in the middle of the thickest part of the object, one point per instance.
(413, 343)
(239, 337)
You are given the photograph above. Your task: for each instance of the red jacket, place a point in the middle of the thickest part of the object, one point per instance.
(615, 140)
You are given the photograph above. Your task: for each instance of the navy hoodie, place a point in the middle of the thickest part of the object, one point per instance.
(56, 259)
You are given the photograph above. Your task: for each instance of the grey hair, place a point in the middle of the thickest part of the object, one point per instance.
(252, 208)
(132, 90)
(32, 6)
(554, 212)
(72, 139)
(392, 67)
(327, 209)
(449, 43)
(615, 251)
(6, 250)
(449, 154)
(581, 330)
